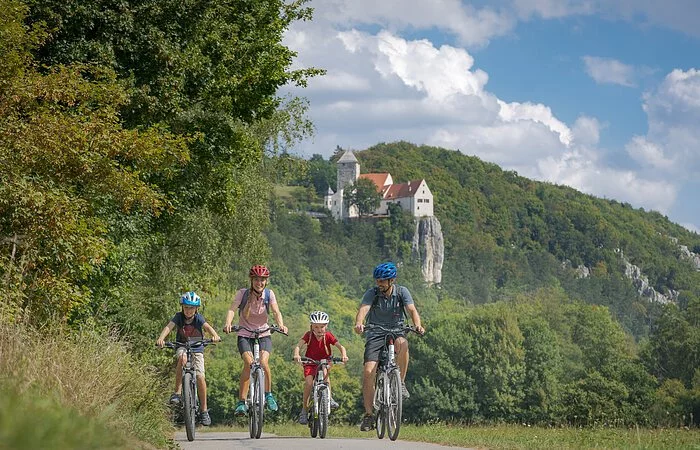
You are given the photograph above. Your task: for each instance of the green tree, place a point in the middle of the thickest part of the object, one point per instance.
(66, 163)
(363, 194)
(207, 68)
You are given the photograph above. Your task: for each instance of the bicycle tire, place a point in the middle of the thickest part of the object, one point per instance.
(323, 411)
(313, 423)
(189, 411)
(394, 404)
(380, 393)
(259, 406)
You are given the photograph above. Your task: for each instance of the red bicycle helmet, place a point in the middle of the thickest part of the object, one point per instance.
(259, 271)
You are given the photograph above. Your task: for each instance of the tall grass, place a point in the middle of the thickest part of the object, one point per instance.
(85, 374)
(514, 437)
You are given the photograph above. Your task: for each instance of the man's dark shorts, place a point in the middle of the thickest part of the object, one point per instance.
(246, 344)
(374, 344)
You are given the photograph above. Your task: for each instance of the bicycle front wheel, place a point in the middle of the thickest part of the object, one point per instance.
(190, 404)
(380, 404)
(323, 411)
(313, 413)
(257, 404)
(394, 404)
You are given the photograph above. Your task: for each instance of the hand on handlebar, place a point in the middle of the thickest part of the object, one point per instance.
(359, 328)
(160, 343)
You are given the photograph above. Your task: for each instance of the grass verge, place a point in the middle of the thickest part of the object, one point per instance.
(514, 436)
(64, 385)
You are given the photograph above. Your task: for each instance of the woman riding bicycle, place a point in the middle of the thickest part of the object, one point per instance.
(318, 341)
(383, 305)
(254, 305)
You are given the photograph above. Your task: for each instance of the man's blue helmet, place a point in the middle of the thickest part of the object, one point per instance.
(190, 299)
(385, 271)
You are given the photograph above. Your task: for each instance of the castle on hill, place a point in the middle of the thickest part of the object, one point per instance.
(413, 196)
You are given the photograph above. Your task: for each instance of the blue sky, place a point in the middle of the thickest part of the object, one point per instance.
(599, 95)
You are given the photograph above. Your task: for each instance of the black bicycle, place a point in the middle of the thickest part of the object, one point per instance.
(388, 402)
(190, 400)
(320, 397)
(255, 401)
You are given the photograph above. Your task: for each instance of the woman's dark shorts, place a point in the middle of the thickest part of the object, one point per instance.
(246, 344)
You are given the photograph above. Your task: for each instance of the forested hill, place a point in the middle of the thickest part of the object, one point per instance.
(516, 332)
(505, 233)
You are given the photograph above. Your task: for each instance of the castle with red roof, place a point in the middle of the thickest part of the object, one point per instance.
(413, 196)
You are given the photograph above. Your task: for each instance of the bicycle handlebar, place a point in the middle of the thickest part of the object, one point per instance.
(411, 328)
(270, 328)
(318, 362)
(190, 344)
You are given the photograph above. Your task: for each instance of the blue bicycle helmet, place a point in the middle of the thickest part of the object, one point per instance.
(190, 299)
(385, 271)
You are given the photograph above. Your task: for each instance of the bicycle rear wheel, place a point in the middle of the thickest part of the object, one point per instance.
(257, 404)
(190, 404)
(394, 404)
(380, 404)
(323, 411)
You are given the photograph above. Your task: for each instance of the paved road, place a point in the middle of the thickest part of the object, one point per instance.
(232, 440)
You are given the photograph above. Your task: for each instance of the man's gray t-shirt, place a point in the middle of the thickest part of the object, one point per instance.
(387, 312)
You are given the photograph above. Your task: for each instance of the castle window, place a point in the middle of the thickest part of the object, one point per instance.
(427, 200)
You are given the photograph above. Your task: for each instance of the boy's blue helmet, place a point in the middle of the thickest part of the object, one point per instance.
(385, 271)
(190, 299)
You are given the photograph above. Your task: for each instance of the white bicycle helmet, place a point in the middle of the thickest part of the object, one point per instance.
(318, 317)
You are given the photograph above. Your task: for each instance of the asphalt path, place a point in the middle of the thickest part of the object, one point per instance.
(236, 440)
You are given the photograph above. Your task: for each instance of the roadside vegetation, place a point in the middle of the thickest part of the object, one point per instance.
(142, 155)
(513, 437)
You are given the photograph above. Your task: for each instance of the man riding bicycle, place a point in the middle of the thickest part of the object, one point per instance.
(385, 305)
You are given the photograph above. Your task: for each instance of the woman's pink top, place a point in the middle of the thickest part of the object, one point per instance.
(254, 315)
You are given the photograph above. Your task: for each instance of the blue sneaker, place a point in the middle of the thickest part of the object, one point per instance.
(271, 402)
(241, 408)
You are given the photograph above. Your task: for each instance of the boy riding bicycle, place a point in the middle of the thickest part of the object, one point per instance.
(318, 341)
(190, 326)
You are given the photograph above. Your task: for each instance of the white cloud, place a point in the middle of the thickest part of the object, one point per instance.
(673, 112)
(609, 71)
(679, 15)
(471, 26)
(382, 87)
(580, 169)
(586, 131)
(648, 154)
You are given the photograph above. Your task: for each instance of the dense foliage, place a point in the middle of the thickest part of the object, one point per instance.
(515, 332)
(138, 155)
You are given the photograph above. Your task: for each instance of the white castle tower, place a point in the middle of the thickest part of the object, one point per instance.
(348, 173)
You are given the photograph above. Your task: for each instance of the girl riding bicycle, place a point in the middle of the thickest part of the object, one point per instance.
(253, 306)
(190, 325)
(318, 341)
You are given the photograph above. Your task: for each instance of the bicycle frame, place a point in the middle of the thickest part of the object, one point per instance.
(190, 404)
(320, 397)
(255, 400)
(388, 400)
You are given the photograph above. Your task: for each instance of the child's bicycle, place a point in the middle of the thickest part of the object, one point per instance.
(255, 401)
(189, 406)
(320, 397)
(388, 402)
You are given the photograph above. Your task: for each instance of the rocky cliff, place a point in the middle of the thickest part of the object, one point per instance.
(428, 245)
